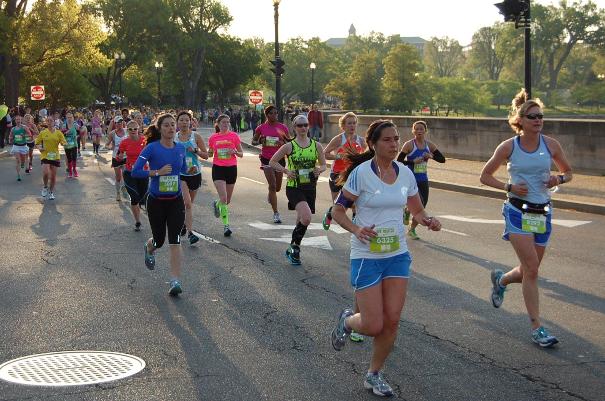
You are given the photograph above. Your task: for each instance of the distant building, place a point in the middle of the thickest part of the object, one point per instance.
(415, 41)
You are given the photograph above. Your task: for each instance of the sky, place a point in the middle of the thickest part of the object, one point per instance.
(332, 18)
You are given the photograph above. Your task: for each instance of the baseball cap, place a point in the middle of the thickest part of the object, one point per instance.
(118, 119)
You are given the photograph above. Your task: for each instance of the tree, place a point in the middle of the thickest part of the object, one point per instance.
(366, 81)
(491, 48)
(443, 56)
(402, 66)
(501, 92)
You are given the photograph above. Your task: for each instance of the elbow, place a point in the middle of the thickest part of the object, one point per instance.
(483, 178)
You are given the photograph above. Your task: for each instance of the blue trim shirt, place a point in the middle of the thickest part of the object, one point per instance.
(157, 155)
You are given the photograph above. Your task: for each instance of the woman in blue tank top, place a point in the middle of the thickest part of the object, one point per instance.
(527, 211)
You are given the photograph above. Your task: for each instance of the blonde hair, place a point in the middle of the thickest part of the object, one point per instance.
(519, 107)
(342, 120)
(423, 123)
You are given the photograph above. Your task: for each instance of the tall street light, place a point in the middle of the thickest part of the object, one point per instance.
(278, 63)
(312, 66)
(158, 67)
(519, 12)
(119, 57)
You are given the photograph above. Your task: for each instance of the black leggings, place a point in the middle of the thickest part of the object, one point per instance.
(166, 213)
(71, 154)
(136, 187)
(423, 190)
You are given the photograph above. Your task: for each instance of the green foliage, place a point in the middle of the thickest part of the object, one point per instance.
(443, 57)
(402, 66)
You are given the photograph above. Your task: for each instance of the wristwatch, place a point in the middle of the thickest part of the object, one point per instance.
(157, 173)
(195, 150)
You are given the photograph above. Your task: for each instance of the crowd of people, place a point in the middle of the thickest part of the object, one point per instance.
(156, 161)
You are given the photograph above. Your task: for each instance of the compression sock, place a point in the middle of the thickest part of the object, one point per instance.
(224, 209)
(298, 233)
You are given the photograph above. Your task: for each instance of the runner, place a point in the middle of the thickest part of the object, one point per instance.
(18, 137)
(165, 207)
(131, 148)
(71, 130)
(194, 144)
(272, 135)
(339, 147)
(28, 120)
(224, 145)
(49, 140)
(378, 245)
(416, 153)
(115, 137)
(97, 131)
(528, 211)
(302, 171)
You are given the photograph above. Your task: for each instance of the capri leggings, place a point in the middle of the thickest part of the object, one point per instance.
(423, 190)
(71, 154)
(136, 187)
(166, 214)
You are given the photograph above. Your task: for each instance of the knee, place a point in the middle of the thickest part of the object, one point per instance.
(530, 271)
(158, 244)
(305, 220)
(391, 324)
(373, 327)
(272, 187)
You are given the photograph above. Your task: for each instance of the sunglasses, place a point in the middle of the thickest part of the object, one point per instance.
(133, 129)
(533, 116)
(302, 125)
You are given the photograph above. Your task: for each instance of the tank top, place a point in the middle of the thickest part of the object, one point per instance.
(531, 168)
(116, 142)
(190, 157)
(302, 161)
(345, 147)
(419, 169)
(71, 135)
(19, 136)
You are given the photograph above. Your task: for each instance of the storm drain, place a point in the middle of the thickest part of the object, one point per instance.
(71, 368)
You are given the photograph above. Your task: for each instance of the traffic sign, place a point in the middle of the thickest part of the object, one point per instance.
(37, 92)
(255, 97)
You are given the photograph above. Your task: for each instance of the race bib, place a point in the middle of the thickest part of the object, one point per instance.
(169, 183)
(224, 153)
(18, 138)
(533, 223)
(189, 161)
(420, 168)
(304, 175)
(71, 141)
(271, 141)
(52, 156)
(386, 241)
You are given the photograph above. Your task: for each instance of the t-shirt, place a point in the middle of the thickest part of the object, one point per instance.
(220, 145)
(272, 133)
(50, 140)
(380, 204)
(71, 135)
(133, 150)
(157, 155)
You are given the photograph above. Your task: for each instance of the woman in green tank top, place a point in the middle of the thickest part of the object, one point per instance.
(306, 161)
(18, 137)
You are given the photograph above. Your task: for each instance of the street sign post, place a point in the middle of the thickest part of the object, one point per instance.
(37, 92)
(255, 97)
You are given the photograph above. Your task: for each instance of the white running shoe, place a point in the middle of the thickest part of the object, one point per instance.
(44, 192)
(51, 196)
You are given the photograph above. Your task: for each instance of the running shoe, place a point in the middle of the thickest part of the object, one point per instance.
(193, 238)
(118, 198)
(340, 332)
(70, 174)
(356, 337)
(149, 258)
(51, 196)
(18, 178)
(412, 233)
(44, 192)
(327, 220)
(541, 337)
(227, 231)
(217, 212)
(175, 288)
(406, 217)
(293, 254)
(497, 289)
(76, 175)
(137, 226)
(276, 218)
(27, 170)
(378, 385)
(183, 231)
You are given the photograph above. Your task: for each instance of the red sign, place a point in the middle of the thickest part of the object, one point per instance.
(255, 97)
(37, 92)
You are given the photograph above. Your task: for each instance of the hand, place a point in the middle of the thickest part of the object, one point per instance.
(365, 234)
(519, 189)
(317, 171)
(192, 170)
(167, 169)
(190, 149)
(553, 181)
(427, 156)
(418, 160)
(290, 174)
(431, 223)
(119, 157)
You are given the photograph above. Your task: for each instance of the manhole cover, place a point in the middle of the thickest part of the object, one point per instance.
(71, 368)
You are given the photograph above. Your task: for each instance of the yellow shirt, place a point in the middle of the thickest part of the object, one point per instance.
(50, 141)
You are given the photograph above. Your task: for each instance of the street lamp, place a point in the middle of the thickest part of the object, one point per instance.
(119, 57)
(601, 76)
(312, 66)
(158, 67)
(278, 63)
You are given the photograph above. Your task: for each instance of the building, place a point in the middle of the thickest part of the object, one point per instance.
(415, 41)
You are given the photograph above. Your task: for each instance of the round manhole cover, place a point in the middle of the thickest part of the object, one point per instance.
(71, 368)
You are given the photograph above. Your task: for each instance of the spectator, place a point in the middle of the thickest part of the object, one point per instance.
(316, 122)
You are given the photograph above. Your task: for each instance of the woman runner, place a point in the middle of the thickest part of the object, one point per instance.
(18, 137)
(49, 140)
(115, 137)
(380, 262)
(71, 132)
(97, 131)
(28, 121)
(302, 171)
(224, 146)
(528, 211)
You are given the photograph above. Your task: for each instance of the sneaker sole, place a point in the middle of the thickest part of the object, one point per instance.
(546, 345)
(356, 339)
(292, 261)
(368, 386)
(149, 265)
(493, 277)
(175, 291)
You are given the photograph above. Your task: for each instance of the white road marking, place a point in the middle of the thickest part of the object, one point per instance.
(111, 181)
(320, 242)
(250, 179)
(323, 179)
(313, 226)
(570, 223)
(250, 154)
(454, 232)
(559, 222)
(205, 238)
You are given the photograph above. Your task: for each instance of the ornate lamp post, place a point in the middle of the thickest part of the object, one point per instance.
(158, 67)
(278, 63)
(312, 66)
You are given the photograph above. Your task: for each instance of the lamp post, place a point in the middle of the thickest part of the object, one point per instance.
(158, 67)
(119, 58)
(312, 66)
(278, 63)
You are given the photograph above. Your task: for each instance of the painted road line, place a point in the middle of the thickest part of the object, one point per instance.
(205, 237)
(111, 181)
(454, 232)
(250, 179)
(321, 242)
(558, 222)
(570, 223)
(313, 226)
(250, 154)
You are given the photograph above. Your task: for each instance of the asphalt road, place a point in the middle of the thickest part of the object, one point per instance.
(249, 326)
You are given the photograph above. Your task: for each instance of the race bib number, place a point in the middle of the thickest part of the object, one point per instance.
(224, 153)
(52, 156)
(169, 183)
(71, 141)
(533, 223)
(386, 241)
(18, 138)
(304, 176)
(420, 168)
(271, 141)
(189, 161)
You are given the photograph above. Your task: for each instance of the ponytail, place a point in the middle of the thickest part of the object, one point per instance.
(152, 134)
(519, 106)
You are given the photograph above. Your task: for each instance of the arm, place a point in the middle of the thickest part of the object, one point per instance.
(202, 151)
(435, 153)
(284, 150)
(344, 201)
(493, 164)
(110, 141)
(322, 160)
(256, 137)
(561, 162)
(62, 140)
(332, 146)
(10, 136)
(405, 149)
(420, 215)
(138, 169)
(320, 119)
(239, 152)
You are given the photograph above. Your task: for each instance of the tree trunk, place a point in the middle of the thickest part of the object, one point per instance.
(12, 74)
(192, 81)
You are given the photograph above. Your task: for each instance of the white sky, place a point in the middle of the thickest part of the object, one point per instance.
(332, 18)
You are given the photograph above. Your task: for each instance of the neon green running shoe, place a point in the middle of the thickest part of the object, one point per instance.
(406, 218)
(412, 234)
(356, 337)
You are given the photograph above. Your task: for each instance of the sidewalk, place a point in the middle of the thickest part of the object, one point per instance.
(585, 193)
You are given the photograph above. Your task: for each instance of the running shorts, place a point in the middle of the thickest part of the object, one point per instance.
(297, 195)
(194, 182)
(366, 273)
(224, 173)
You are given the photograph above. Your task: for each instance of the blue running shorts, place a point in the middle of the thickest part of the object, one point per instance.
(513, 223)
(368, 272)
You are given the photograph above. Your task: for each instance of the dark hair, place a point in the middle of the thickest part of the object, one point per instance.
(153, 132)
(218, 120)
(269, 108)
(372, 136)
(184, 112)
